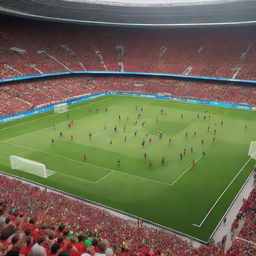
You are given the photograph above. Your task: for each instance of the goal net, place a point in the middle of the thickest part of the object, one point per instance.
(252, 150)
(33, 167)
(60, 108)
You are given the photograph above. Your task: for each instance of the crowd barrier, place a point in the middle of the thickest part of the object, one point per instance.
(143, 95)
(124, 73)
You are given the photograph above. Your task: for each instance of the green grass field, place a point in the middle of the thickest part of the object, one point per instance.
(175, 195)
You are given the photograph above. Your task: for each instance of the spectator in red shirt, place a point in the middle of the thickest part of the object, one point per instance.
(31, 224)
(80, 244)
(61, 228)
(55, 248)
(24, 251)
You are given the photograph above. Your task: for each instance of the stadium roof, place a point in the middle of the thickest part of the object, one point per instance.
(137, 12)
(149, 2)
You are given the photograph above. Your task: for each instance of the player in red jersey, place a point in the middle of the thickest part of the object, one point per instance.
(150, 164)
(162, 160)
(213, 139)
(191, 150)
(90, 135)
(184, 151)
(209, 127)
(84, 156)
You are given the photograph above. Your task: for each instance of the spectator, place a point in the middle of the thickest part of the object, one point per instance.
(38, 249)
(103, 246)
(54, 249)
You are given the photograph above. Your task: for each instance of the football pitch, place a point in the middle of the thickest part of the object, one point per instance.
(190, 198)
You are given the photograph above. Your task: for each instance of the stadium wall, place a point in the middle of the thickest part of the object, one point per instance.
(118, 73)
(143, 95)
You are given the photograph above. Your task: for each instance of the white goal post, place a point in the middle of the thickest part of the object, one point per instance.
(30, 166)
(60, 108)
(252, 150)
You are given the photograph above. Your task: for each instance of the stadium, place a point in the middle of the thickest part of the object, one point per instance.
(127, 127)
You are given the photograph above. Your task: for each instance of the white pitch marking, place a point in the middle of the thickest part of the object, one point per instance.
(199, 225)
(185, 171)
(54, 114)
(111, 170)
(104, 177)
(75, 177)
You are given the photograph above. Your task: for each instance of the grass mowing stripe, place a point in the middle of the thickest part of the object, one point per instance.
(111, 170)
(103, 177)
(185, 171)
(53, 154)
(75, 177)
(202, 222)
(55, 114)
(139, 192)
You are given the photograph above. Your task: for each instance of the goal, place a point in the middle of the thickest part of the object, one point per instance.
(60, 108)
(252, 150)
(30, 166)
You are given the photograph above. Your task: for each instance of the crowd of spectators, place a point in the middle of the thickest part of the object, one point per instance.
(36, 222)
(246, 241)
(30, 95)
(32, 47)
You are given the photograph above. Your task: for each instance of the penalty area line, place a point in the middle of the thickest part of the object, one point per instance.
(93, 165)
(185, 171)
(79, 178)
(208, 213)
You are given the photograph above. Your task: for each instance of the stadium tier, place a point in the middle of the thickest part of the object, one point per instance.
(29, 48)
(141, 170)
(29, 214)
(29, 95)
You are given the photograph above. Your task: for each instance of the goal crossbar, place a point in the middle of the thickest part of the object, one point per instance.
(60, 108)
(252, 150)
(30, 166)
